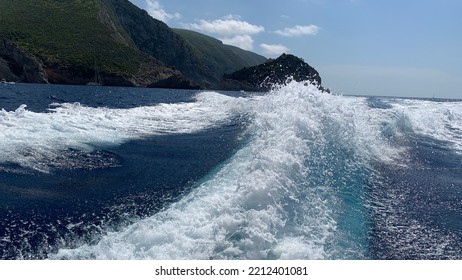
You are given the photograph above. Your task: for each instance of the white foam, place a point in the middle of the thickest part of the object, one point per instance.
(440, 120)
(35, 140)
(263, 204)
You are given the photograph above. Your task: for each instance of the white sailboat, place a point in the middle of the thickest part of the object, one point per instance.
(97, 81)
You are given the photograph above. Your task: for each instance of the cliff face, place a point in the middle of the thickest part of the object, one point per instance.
(16, 66)
(274, 72)
(200, 58)
(156, 39)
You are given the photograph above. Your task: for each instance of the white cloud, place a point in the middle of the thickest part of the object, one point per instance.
(227, 26)
(298, 30)
(242, 41)
(274, 49)
(231, 29)
(155, 10)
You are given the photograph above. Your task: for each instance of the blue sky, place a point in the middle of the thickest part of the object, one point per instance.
(362, 47)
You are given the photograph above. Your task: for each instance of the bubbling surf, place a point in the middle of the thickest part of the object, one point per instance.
(37, 140)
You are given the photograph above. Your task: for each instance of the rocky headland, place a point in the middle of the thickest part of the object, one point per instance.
(113, 42)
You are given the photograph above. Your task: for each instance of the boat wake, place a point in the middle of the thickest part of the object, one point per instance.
(312, 176)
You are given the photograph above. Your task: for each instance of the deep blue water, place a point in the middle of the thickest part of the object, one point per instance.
(126, 173)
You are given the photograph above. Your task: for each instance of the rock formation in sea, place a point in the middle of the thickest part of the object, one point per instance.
(272, 73)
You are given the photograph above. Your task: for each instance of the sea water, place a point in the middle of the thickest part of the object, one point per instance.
(124, 173)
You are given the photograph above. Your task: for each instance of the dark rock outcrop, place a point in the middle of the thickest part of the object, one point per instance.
(275, 72)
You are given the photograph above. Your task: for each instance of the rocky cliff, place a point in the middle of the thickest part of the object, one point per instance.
(198, 57)
(15, 65)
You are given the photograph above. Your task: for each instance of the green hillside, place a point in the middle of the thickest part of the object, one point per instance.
(66, 41)
(41, 22)
(70, 37)
(220, 58)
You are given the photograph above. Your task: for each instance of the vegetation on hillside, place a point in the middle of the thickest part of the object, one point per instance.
(65, 40)
(75, 35)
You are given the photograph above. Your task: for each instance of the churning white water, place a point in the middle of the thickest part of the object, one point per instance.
(278, 197)
(304, 183)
